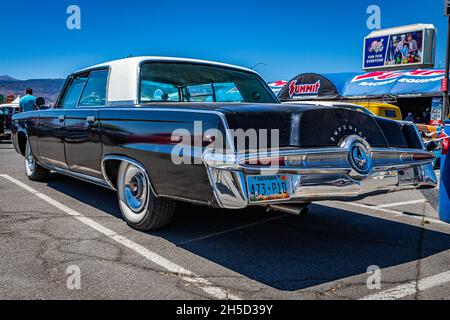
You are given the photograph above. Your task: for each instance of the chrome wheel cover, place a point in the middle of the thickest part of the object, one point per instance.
(30, 162)
(135, 189)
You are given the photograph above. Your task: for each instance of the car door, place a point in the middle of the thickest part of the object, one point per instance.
(82, 142)
(51, 133)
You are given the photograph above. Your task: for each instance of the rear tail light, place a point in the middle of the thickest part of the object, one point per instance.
(422, 157)
(445, 142)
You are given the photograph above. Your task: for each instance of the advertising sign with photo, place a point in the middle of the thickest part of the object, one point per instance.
(436, 111)
(394, 50)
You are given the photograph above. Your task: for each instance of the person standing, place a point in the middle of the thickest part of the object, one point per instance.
(410, 117)
(28, 102)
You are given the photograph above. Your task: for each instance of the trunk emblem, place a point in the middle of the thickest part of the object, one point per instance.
(360, 157)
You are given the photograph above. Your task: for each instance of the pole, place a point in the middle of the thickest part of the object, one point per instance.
(445, 104)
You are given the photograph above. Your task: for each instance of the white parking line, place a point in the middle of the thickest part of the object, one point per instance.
(393, 212)
(171, 267)
(404, 203)
(411, 288)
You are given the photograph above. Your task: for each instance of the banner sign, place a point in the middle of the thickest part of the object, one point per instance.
(400, 48)
(308, 86)
(422, 82)
(394, 50)
(436, 111)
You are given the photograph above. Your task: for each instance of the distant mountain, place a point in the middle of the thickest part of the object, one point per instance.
(7, 78)
(46, 88)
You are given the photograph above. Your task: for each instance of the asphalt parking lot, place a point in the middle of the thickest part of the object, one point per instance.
(47, 228)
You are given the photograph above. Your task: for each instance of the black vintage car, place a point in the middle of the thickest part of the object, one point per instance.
(6, 113)
(165, 130)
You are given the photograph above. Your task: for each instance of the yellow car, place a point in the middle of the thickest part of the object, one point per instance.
(381, 109)
(428, 132)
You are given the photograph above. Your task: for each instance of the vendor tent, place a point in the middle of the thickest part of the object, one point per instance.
(16, 101)
(313, 86)
(396, 84)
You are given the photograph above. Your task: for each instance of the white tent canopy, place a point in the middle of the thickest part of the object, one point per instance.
(16, 101)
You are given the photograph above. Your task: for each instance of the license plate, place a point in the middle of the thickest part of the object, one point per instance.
(267, 188)
(7, 131)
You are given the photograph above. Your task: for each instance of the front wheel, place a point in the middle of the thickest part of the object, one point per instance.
(33, 170)
(141, 209)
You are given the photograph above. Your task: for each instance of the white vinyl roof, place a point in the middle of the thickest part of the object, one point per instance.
(124, 76)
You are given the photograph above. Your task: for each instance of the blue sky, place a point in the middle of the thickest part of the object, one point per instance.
(288, 37)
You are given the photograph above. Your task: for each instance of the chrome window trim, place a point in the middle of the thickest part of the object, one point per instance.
(202, 63)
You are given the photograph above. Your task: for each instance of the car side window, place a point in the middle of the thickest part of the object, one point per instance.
(157, 91)
(227, 92)
(73, 93)
(94, 93)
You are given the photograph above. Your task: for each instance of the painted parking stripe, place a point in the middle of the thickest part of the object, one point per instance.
(411, 288)
(171, 267)
(404, 203)
(393, 212)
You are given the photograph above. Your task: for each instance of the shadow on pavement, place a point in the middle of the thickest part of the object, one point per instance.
(290, 253)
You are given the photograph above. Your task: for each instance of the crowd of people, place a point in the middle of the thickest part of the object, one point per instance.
(425, 117)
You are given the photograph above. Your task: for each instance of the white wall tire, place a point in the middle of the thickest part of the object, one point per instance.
(33, 170)
(140, 208)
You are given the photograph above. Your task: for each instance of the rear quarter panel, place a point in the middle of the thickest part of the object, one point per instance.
(145, 135)
(26, 123)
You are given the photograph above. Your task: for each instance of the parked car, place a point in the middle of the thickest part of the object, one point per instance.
(125, 124)
(382, 109)
(6, 113)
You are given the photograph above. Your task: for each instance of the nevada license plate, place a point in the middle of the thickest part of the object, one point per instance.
(267, 188)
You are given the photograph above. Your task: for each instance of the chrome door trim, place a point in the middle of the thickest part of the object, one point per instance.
(79, 176)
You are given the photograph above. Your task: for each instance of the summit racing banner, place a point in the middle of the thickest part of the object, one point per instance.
(421, 82)
(308, 86)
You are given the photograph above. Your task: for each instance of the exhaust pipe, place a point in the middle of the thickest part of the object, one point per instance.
(295, 209)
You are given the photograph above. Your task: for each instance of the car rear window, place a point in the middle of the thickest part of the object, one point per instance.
(390, 113)
(187, 82)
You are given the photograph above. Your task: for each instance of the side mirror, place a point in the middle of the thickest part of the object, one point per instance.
(40, 102)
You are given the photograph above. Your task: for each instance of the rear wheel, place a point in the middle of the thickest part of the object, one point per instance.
(33, 170)
(141, 209)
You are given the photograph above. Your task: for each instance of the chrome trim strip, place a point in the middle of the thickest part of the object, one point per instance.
(124, 159)
(77, 175)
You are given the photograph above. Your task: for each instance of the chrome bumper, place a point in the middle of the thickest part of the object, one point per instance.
(325, 176)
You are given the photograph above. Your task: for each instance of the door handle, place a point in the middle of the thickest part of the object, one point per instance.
(61, 118)
(90, 119)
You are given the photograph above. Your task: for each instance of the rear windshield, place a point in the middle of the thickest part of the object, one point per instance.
(185, 82)
(390, 113)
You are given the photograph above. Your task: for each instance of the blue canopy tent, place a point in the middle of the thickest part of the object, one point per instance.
(395, 84)
(377, 84)
(412, 90)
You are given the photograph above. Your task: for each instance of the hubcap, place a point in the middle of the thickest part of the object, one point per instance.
(31, 163)
(135, 189)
